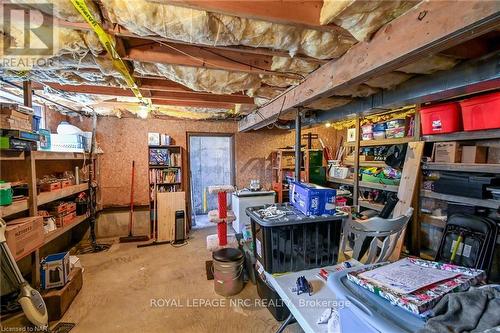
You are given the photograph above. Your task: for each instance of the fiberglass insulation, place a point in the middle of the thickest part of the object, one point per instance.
(196, 26)
(363, 17)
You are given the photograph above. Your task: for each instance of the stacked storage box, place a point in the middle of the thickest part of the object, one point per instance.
(472, 114)
(15, 116)
(64, 212)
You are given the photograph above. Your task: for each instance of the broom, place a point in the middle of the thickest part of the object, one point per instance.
(130, 237)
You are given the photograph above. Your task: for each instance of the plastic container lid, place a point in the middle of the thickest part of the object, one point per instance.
(227, 255)
(4, 185)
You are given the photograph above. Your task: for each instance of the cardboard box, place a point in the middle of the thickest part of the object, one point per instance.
(59, 300)
(24, 235)
(54, 270)
(49, 187)
(70, 207)
(474, 154)
(66, 183)
(447, 152)
(58, 208)
(66, 219)
(493, 155)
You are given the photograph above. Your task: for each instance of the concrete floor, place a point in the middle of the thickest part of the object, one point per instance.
(121, 285)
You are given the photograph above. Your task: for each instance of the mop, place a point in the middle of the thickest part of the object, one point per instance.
(130, 237)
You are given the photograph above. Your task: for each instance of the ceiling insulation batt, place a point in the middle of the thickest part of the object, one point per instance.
(363, 17)
(201, 79)
(196, 26)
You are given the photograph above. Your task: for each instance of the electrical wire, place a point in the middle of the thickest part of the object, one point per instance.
(204, 62)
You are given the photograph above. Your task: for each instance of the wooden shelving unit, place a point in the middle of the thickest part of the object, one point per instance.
(485, 138)
(156, 186)
(54, 155)
(46, 197)
(343, 181)
(49, 237)
(386, 142)
(377, 186)
(462, 167)
(30, 205)
(14, 208)
(464, 136)
(280, 171)
(357, 163)
(370, 205)
(488, 203)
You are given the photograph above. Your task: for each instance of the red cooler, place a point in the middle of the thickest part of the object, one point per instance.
(441, 118)
(481, 112)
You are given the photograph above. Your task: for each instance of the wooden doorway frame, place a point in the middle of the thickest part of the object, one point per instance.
(188, 160)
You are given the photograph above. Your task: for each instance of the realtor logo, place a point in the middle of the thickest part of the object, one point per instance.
(28, 30)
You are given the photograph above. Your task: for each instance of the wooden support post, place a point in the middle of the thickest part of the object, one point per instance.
(406, 191)
(27, 93)
(355, 195)
(298, 137)
(415, 235)
(33, 210)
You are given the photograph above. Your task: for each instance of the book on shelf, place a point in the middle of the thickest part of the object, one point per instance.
(164, 176)
(163, 156)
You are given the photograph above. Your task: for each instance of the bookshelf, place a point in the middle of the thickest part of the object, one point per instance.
(165, 174)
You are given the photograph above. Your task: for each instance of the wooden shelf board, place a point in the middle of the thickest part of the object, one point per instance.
(463, 167)
(463, 136)
(174, 183)
(370, 205)
(46, 197)
(14, 208)
(398, 141)
(49, 237)
(489, 203)
(56, 155)
(346, 181)
(166, 147)
(431, 220)
(163, 167)
(380, 164)
(11, 155)
(383, 187)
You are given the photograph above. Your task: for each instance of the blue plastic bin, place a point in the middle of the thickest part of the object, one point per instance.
(312, 199)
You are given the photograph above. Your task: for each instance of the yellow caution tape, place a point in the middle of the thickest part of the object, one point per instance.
(108, 44)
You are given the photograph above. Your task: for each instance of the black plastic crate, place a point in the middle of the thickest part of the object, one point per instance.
(295, 242)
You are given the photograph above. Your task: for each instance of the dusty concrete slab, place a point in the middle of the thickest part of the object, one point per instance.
(122, 286)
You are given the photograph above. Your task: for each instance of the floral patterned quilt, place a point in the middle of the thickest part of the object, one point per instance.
(421, 301)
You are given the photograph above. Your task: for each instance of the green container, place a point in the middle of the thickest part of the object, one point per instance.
(373, 179)
(315, 158)
(5, 193)
(317, 175)
(4, 142)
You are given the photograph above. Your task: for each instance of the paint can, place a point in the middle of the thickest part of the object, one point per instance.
(228, 271)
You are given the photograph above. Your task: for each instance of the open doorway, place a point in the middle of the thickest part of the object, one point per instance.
(211, 162)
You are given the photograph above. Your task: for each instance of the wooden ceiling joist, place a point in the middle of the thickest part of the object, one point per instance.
(194, 104)
(424, 30)
(196, 56)
(157, 95)
(292, 12)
